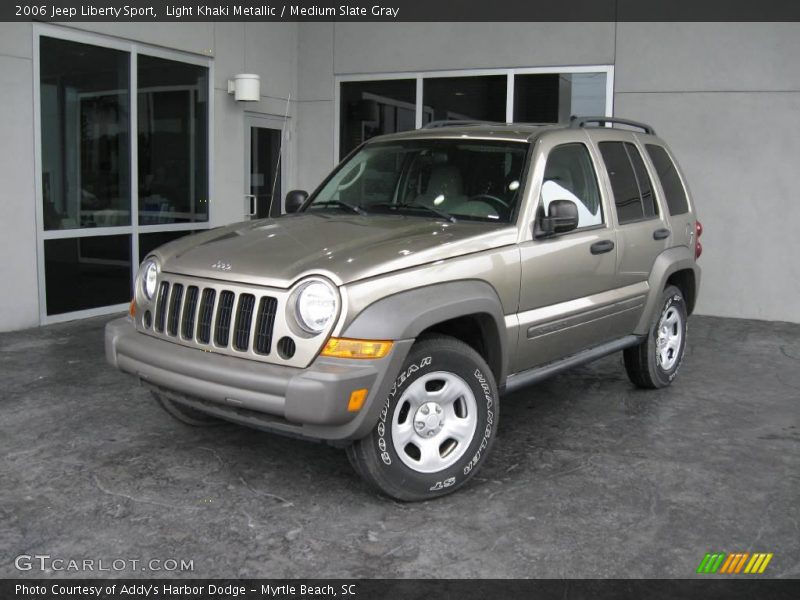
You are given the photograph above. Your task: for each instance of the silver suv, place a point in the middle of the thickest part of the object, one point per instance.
(430, 273)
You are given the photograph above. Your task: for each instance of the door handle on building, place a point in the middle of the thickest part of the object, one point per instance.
(602, 247)
(249, 205)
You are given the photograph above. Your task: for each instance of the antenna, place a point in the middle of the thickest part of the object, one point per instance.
(280, 154)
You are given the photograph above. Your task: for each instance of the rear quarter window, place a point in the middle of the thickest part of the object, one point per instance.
(670, 180)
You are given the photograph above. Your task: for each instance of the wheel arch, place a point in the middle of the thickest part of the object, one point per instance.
(468, 310)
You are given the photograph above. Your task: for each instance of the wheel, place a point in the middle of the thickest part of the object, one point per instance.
(655, 362)
(184, 414)
(437, 425)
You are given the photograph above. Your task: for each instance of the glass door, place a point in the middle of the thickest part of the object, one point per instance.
(264, 166)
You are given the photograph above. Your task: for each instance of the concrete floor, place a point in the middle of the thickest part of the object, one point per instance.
(589, 477)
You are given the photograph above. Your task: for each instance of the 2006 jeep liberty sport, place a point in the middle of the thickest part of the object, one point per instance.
(431, 271)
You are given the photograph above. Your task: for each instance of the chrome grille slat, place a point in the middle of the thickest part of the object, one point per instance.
(161, 306)
(206, 316)
(265, 323)
(243, 322)
(189, 312)
(222, 327)
(174, 314)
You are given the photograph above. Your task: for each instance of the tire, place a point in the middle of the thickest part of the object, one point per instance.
(655, 362)
(437, 425)
(184, 414)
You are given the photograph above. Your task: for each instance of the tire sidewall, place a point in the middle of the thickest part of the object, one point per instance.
(420, 362)
(672, 297)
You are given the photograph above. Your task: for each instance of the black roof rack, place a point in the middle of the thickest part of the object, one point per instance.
(456, 123)
(576, 122)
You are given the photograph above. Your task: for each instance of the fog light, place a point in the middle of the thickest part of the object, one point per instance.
(347, 348)
(357, 399)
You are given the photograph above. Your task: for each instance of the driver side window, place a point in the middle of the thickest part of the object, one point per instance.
(570, 175)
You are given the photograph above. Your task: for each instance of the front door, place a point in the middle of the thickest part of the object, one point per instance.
(567, 281)
(264, 165)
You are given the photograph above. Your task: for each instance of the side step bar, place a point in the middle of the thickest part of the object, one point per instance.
(537, 374)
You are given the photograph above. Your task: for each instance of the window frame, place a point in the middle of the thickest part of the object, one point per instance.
(420, 76)
(133, 229)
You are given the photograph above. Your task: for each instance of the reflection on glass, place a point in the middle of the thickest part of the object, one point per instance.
(87, 272)
(150, 241)
(554, 97)
(464, 99)
(172, 121)
(370, 108)
(85, 125)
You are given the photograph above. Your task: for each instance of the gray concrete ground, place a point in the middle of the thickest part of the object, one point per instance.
(589, 477)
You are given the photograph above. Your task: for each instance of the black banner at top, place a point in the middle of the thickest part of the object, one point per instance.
(399, 10)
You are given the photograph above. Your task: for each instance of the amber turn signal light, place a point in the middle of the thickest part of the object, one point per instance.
(357, 400)
(348, 348)
(132, 309)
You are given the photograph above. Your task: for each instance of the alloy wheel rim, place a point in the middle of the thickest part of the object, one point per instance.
(434, 422)
(669, 338)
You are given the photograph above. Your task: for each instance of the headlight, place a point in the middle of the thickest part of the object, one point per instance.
(316, 306)
(149, 278)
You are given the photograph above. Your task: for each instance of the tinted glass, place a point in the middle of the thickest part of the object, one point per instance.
(470, 179)
(643, 179)
(173, 141)
(87, 272)
(370, 108)
(670, 180)
(85, 124)
(570, 175)
(553, 97)
(623, 182)
(150, 241)
(464, 98)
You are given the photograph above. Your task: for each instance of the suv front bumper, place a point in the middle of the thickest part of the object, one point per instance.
(310, 402)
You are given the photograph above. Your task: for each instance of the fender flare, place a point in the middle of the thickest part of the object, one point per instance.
(668, 262)
(407, 314)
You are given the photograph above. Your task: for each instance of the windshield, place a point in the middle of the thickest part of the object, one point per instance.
(474, 180)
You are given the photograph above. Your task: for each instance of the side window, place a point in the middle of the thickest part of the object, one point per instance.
(633, 190)
(670, 180)
(570, 175)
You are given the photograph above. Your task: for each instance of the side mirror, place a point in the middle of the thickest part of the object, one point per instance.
(562, 216)
(295, 199)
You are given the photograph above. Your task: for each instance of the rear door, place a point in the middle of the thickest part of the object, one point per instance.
(643, 229)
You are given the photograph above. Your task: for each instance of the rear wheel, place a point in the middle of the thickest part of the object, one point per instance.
(436, 426)
(184, 414)
(655, 362)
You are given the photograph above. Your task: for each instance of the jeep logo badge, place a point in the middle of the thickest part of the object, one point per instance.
(222, 266)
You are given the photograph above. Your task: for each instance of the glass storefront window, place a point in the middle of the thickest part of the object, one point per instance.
(172, 123)
(554, 97)
(370, 108)
(85, 123)
(481, 98)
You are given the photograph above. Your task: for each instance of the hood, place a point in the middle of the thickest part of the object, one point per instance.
(344, 248)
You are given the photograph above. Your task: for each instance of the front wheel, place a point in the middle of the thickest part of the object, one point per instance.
(437, 425)
(655, 362)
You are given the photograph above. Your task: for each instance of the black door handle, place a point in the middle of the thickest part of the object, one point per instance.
(601, 247)
(660, 234)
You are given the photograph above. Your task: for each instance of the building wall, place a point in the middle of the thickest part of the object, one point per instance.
(725, 96)
(269, 49)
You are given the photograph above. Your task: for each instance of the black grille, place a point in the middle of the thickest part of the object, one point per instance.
(264, 324)
(189, 307)
(286, 347)
(161, 305)
(244, 319)
(205, 315)
(174, 309)
(222, 328)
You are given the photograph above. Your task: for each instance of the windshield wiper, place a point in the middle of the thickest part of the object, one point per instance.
(351, 207)
(439, 213)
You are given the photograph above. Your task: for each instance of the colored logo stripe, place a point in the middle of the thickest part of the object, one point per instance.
(733, 563)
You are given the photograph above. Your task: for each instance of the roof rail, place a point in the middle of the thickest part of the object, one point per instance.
(576, 122)
(455, 123)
